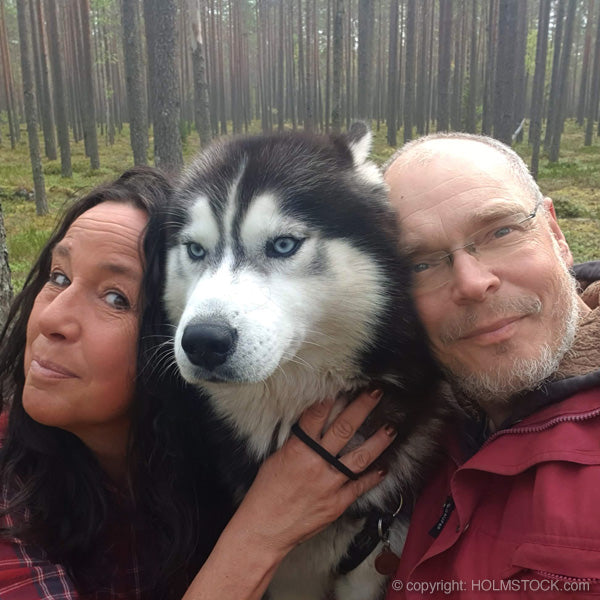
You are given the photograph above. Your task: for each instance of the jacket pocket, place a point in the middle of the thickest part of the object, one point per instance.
(575, 571)
(565, 561)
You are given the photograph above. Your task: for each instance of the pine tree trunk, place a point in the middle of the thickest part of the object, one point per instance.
(338, 66)
(489, 84)
(392, 75)
(505, 72)
(45, 101)
(11, 109)
(520, 55)
(201, 103)
(137, 104)
(60, 90)
(555, 83)
(471, 117)
(161, 39)
(584, 87)
(409, 70)
(88, 112)
(592, 109)
(444, 62)
(366, 24)
(539, 77)
(422, 74)
(6, 291)
(41, 205)
(565, 57)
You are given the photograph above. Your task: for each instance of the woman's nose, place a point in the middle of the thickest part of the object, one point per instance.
(62, 316)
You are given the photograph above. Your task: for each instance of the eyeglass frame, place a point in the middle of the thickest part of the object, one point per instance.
(449, 254)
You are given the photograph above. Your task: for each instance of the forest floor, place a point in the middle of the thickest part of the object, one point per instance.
(573, 183)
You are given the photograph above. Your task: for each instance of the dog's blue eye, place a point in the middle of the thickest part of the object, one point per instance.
(282, 247)
(195, 251)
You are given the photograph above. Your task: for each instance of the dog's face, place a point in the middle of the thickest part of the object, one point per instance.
(277, 259)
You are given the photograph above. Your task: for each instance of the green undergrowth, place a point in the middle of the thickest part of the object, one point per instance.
(573, 183)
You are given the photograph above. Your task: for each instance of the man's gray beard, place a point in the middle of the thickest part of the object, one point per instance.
(496, 388)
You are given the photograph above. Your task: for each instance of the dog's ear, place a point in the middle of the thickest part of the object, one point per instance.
(359, 139)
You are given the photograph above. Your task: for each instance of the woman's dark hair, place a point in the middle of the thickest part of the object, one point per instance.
(52, 477)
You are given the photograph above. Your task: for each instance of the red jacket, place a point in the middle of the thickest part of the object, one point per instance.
(519, 519)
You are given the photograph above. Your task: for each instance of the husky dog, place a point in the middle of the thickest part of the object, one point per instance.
(286, 287)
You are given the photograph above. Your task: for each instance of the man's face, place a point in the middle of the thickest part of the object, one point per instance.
(492, 322)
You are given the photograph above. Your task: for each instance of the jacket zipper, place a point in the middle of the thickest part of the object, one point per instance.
(543, 426)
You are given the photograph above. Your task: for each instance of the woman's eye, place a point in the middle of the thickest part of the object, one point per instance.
(59, 279)
(284, 246)
(195, 251)
(117, 300)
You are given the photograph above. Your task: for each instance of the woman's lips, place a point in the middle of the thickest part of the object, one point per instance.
(46, 368)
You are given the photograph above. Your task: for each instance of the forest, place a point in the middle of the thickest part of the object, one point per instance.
(89, 87)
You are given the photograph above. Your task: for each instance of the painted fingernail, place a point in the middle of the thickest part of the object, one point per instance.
(376, 394)
(390, 430)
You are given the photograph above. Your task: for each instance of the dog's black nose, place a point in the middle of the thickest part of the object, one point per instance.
(208, 344)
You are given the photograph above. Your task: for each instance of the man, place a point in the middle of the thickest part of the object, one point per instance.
(515, 506)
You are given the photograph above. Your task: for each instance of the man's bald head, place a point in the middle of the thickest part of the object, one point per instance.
(476, 148)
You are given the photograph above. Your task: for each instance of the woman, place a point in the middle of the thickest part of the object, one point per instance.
(106, 487)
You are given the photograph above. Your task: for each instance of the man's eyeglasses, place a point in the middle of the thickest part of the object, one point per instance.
(493, 242)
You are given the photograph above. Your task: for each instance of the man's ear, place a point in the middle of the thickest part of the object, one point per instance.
(565, 251)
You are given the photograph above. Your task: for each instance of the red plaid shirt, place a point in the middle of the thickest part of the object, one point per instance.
(26, 574)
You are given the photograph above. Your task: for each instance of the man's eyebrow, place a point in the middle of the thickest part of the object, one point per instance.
(488, 212)
(479, 218)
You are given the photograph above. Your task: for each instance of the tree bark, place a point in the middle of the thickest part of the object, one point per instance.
(201, 103)
(11, 108)
(41, 205)
(366, 24)
(161, 40)
(592, 109)
(44, 99)
(584, 86)
(520, 83)
(6, 290)
(488, 94)
(505, 72)
(539, 77)
(444, 62)
(137, 103)
(565, 57)
(88, 112)
(422, 73)
(409, 69)
(555, 83)
(338, 66)
(392, 100)
(471, 117)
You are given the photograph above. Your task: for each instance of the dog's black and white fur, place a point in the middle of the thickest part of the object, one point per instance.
(286, 287)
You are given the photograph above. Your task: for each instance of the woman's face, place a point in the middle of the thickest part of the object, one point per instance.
(80, 355)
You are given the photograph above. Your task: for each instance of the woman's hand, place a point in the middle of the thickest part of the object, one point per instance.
(298, 491)
(296, 494)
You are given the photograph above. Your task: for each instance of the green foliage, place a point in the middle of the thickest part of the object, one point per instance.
(569, 209)
(573, 183)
